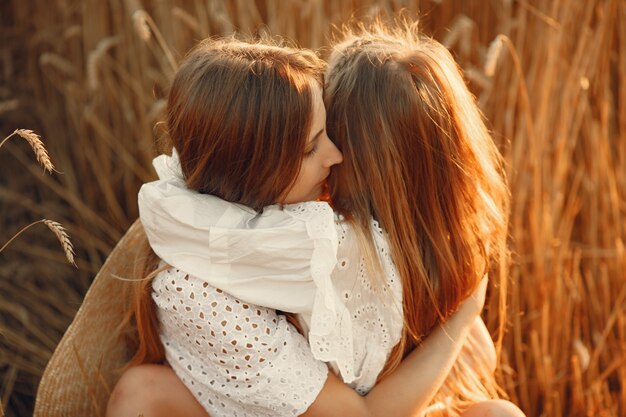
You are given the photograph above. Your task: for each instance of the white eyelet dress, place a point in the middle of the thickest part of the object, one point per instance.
(241, 359)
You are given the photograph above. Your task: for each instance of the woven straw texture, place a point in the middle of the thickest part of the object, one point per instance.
(87, 362)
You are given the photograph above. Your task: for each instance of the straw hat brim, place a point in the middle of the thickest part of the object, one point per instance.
(89, 358)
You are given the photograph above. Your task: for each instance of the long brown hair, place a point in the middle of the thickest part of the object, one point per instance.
(419, 159)
(239, 116)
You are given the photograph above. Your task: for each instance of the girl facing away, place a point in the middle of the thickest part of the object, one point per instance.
(423, 206)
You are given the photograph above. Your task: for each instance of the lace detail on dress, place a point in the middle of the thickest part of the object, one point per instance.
(236, 358)
(330, 323)
(372, 306)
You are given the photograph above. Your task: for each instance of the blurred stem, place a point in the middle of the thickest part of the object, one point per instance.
(523, 88)
(161, 41)
(23, 229)
(5, 139)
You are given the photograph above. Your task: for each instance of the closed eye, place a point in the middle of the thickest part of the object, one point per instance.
(312, 151)
(312, 146)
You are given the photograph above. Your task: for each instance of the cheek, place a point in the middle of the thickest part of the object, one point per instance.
(310, 174)
(300, 189)
(307, 180)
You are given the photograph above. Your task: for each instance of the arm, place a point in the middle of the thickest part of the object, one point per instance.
(481, 350)
(411, 387)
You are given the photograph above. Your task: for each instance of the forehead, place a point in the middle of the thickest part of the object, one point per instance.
(317, 98)
(318, 111)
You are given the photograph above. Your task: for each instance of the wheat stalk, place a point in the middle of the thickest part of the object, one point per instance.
(94, 59)
(34, 140)
(59, 232)
(145, 26)
(493, 53)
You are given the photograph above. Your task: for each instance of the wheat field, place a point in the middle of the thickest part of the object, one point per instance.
(550, 76)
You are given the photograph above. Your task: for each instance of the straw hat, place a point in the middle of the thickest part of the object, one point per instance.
(87, 362)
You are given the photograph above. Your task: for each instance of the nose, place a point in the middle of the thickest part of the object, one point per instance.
(333, 155)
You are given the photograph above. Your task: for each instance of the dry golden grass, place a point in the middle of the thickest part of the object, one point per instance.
(553, 89)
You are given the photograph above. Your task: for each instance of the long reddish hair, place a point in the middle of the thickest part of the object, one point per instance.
(420, 160)
(239, 115)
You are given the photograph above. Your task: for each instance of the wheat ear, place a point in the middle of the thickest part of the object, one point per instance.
(34, 140)
(63, 238)
(493, 53)
(59, 232)
(140, 21)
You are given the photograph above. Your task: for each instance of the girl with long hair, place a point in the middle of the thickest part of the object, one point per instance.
(423, 207)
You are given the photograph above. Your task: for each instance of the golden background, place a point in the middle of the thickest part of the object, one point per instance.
(80, 74)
